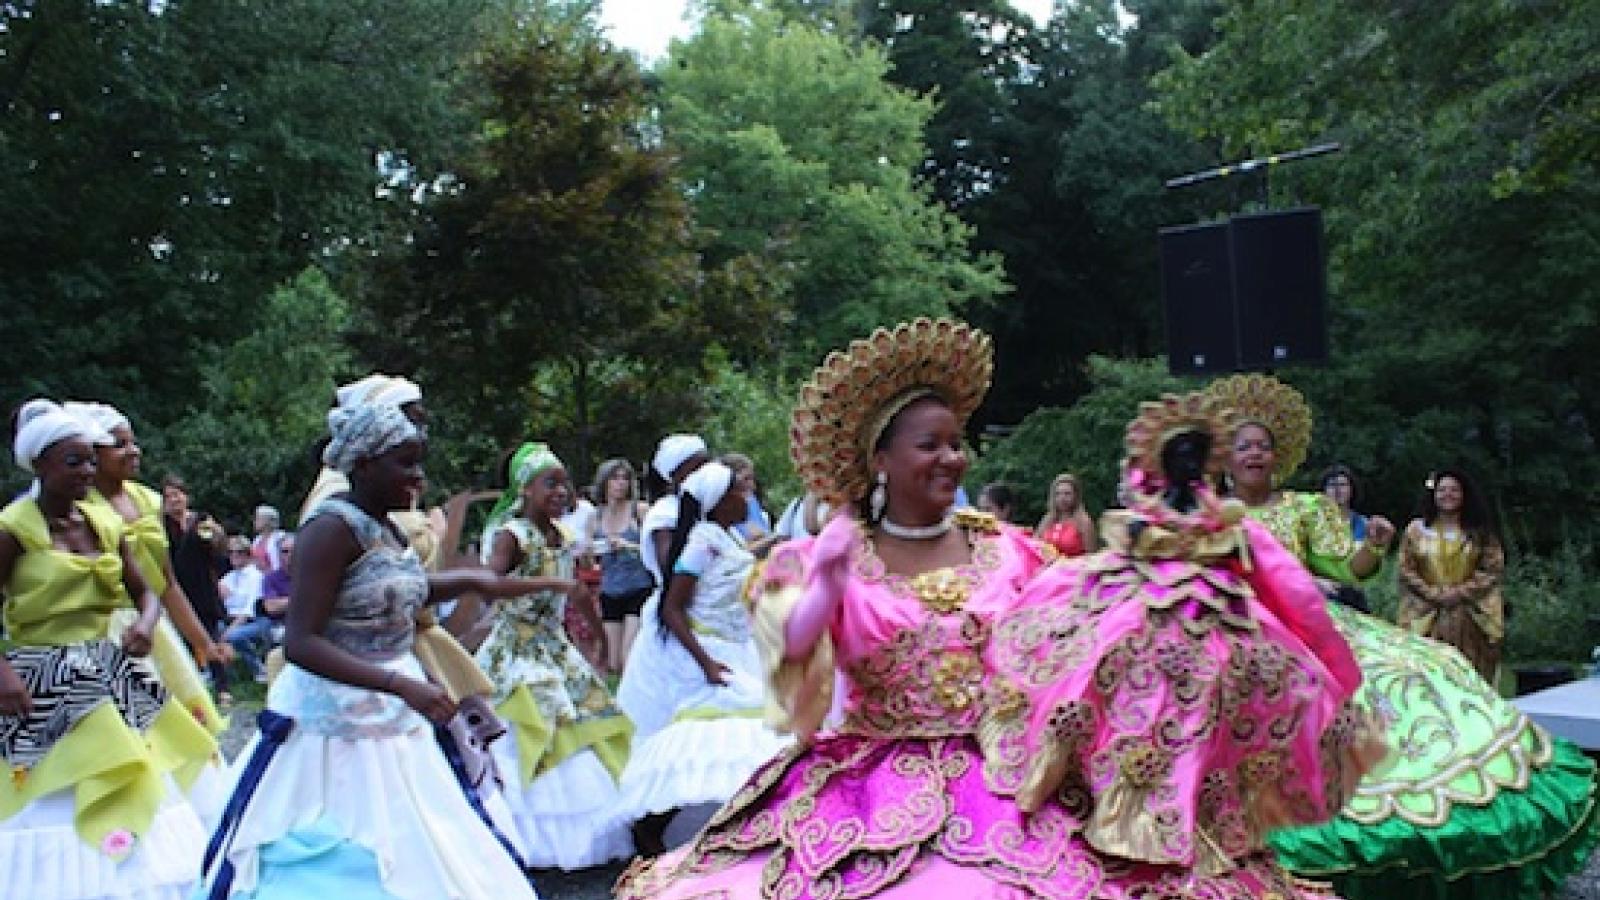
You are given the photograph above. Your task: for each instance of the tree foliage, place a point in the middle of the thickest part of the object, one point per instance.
(1085, 438)
(262, 405)
(1463, 228)
(796, 151)
(169, 164)
(550, 288)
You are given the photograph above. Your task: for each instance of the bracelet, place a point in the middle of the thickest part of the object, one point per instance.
(388, 682)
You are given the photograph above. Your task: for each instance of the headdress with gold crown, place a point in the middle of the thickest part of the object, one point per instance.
(848, 402)
(1282, 410)
(1159, 422)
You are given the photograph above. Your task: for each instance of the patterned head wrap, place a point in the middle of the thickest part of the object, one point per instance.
(41, 424)
(708, 485)
(365, 431)
(379, 388)
(527, 462)
(105, 416)
(675, 450)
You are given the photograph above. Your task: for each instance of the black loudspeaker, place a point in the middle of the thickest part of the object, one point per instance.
(1197, 287)
(1279, 290)
(1246, 294)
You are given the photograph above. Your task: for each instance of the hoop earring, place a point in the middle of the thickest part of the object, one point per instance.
(880, 496)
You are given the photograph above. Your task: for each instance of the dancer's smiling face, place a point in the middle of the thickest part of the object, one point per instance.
(121, 459)
(922, 456)
(66, 468)
(546, 495)
(1253, 457)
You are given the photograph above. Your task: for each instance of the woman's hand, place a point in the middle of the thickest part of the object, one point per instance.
(426, 698)
(137, 639)
(830, 553)
(716, 673)
(1380, 534)
(213, 652)
(14, 697)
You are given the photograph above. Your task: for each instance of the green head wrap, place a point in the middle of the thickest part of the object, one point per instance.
(526, 464)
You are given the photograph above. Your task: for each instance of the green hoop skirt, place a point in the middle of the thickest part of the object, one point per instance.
(1474, 800)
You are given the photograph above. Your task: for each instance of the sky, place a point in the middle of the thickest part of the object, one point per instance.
(645, 26)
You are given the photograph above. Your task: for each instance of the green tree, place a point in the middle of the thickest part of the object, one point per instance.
(1085, 439)
(262, 405)
(551, 286)
(1463, 229)
(796, 151)
(969, 58)
(169, 164)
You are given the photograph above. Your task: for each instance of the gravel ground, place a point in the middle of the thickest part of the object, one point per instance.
(595, 884)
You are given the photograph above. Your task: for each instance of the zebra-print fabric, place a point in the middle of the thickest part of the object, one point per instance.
(66, 684)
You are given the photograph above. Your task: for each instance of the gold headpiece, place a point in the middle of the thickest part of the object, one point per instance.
(1159, 422)
(1282, 410)
(844, 408)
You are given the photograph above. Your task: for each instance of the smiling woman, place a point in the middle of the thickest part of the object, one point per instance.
(347, 790)
(90, 741)
(569, 741)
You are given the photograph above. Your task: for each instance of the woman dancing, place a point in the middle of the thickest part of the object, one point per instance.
(1476, 798)
(570, 742)
(910, 797)
(712, 670)
(345, 792)
(89, 738)
(117, 464)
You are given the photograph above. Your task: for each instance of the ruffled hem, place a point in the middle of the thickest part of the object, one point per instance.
(692, 762)
(115, 773)
(567, 816)
(1524, 844)
(393, 796)
(41, 848)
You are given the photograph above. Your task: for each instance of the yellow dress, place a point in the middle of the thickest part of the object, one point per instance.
(1450, 591)
(87, 809)
(169, 660)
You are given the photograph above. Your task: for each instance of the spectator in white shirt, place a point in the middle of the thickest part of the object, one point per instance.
(240, 587)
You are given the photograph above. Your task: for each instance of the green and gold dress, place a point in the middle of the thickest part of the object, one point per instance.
(1474, 800)
(569, 741)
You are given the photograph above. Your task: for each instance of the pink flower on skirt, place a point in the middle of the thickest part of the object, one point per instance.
(118, 844)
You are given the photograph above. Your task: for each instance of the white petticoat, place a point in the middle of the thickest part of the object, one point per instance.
(692, 762)
(43, 858)
(386, 784)
(566, 816)
(662, 678)
(642, 694)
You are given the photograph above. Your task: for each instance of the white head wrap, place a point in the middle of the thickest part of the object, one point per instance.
(103, 415)
(42, 423)
(674, 450)
(364, 431)
(379, 388)
(708, 485)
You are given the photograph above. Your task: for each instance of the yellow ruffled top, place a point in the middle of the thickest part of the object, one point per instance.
(146, 536)
(56, 598)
